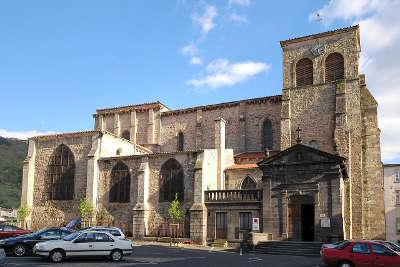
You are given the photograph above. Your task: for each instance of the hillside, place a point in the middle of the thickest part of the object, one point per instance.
(12, 155)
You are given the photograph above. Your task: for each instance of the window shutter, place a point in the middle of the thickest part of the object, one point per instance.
(334, 67)
(304, 72)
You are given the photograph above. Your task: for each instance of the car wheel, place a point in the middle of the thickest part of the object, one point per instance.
(116, 255)
(19, 250)
(56, 255)
(345, 264)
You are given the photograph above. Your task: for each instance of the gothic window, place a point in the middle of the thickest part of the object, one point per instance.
(267, 134)
(334, 67)
(314, 144)
(304, 72)
(180, 141)
(248, 183)
(120, 183)
(61, 173)
(126, 135)
(171, 181)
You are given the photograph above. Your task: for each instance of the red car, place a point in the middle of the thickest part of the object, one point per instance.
(7, 231)
(360, 254)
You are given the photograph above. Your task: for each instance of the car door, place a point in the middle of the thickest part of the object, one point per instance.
(51, 234)
(384, 257)
(361, 255)
(83, 245)
(104, 244)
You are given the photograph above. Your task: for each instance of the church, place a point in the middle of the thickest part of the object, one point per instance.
(303, 165)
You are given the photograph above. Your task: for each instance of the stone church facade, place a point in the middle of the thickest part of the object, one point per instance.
(305, 163)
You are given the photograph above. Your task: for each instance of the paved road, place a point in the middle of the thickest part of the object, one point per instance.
(165, 256)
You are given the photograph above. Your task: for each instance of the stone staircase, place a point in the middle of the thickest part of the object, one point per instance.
(219, 243)
(297, 248)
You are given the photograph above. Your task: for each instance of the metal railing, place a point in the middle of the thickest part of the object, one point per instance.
(244, 195)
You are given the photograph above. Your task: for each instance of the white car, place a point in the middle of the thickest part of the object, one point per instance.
(115, 231)
(85, 243)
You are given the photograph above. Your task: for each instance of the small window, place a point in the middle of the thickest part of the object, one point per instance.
(304, 72)
(245, 221)
(398, 225)
(334, 67)
(361, 248)
(119, 152)
(267, 135)
(397, 177)
(102, 237)
(180, 141)
(397, 197)
(381, 250)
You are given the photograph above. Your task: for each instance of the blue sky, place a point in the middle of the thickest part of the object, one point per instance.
(59, 61)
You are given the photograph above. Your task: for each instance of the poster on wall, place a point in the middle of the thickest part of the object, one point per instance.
(256, 224)
(325, 223)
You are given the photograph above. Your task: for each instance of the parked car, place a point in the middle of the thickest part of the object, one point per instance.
(360, 253)
(115, 231)
(3, 260)
(74, 224)
(85, 243)
(22, 245)
(7, 231)
(390, 245)
(332, 245)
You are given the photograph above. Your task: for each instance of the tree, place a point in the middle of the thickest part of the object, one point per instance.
(175, 213)
(86, 210)
(22, 213)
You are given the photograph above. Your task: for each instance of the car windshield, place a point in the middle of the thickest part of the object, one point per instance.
(72, 236)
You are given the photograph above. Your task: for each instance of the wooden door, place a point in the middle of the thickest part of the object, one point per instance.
(294, 221)
(221, 228)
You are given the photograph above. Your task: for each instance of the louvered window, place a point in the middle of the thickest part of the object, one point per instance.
(61, 172)
(171, 181)
(120, 183)
(267, 134)
(334, 67)
(304, 72)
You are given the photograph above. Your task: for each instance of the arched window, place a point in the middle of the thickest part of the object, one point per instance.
(171, 181)
(126, 134)
(120, 183)
(119, 152)
(248, 183)
(180, 141)
(267, 134)
(61, 172)
(314, 144)
(334, 67)
(304, 72)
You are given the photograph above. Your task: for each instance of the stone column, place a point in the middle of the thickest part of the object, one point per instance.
(286, 135)
(117, 125)
(198, 211)
(93, 170)
(141, 209)
(133, 126)
(28, 178)
(220, 146)
(150, 127)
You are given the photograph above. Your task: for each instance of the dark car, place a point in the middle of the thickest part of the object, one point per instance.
(22, 245)
(7, 231)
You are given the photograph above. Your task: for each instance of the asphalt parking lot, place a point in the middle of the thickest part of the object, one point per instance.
(166, 256)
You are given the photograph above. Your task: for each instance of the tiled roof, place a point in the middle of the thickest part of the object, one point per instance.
(242, 166)
(64, 135)
(143, 106)
(318, 35)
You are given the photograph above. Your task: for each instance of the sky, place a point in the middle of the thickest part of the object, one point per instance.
(61, 60)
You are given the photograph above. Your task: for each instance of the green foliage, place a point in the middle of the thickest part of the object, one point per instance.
(86, 210)
(175, 213)
(12, 155)
(23, 212)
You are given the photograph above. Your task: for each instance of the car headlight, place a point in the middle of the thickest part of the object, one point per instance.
(2, 242)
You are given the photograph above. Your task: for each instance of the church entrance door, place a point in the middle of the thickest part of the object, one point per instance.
(307, 222)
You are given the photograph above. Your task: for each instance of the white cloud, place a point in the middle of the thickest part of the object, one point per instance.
(380, 46)
(190, 49)
(238, 18)
(195, 61)
(22, 135)
(222, 73)
(239, 2)
(206, 20)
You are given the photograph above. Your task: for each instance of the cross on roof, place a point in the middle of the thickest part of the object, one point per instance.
(298, 130)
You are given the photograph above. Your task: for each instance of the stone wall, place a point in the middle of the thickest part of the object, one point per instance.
(392, 210)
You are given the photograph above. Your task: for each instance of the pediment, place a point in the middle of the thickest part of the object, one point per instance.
(301, 154)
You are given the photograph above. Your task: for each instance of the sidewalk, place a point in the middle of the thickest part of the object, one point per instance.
(181, 245)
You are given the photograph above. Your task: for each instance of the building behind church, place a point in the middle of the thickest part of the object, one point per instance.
(306, 163)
